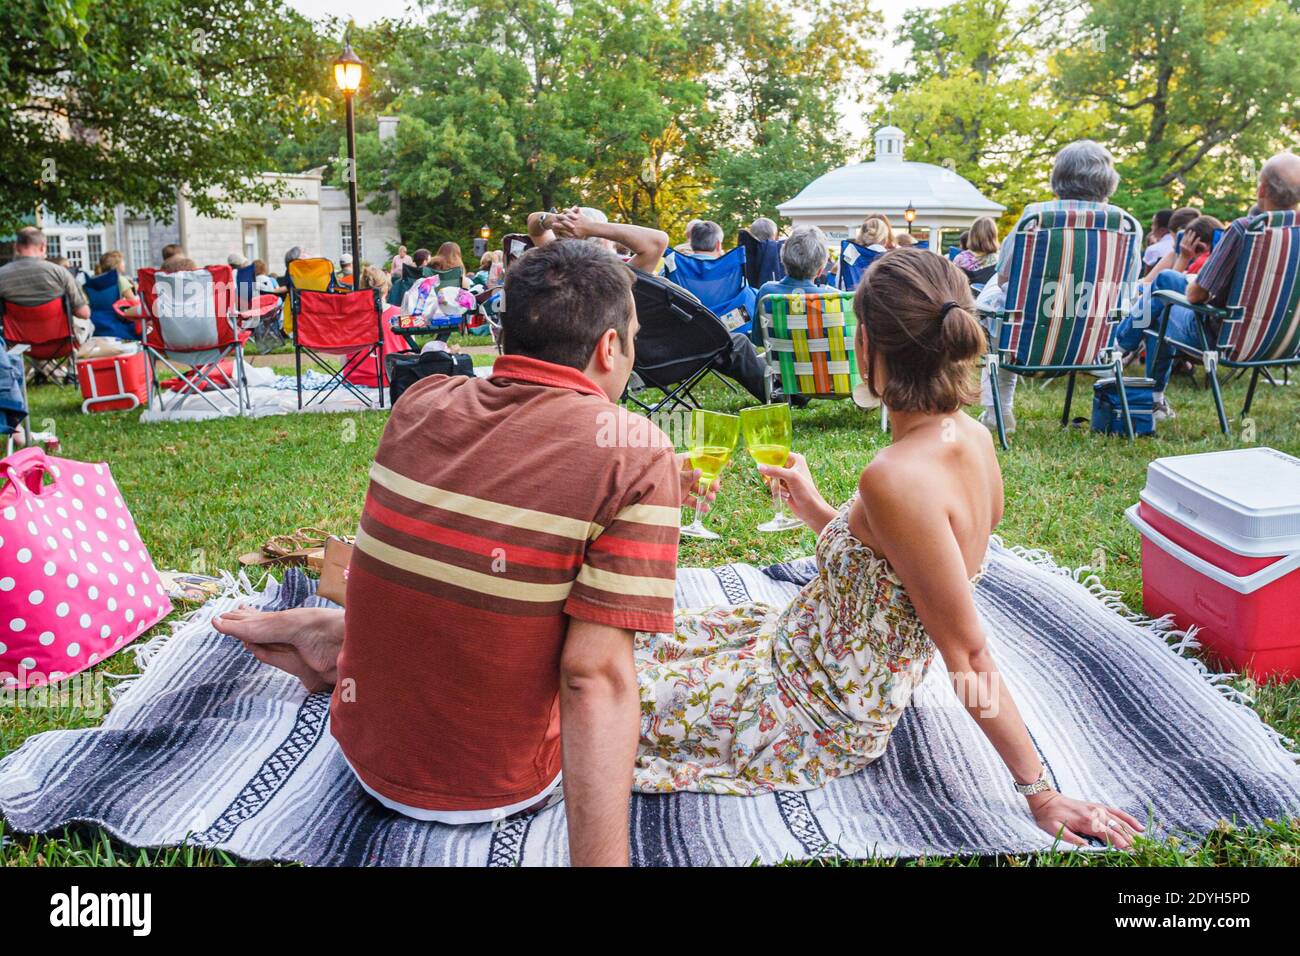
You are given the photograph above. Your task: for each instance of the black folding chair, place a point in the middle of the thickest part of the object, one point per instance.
(679, 343)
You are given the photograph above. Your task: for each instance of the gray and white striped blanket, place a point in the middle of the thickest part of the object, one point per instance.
(209, 747)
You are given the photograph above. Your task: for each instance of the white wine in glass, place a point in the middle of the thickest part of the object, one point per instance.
(768, 433)
(712, 439)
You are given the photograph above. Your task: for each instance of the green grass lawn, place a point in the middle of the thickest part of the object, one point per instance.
(204, 493)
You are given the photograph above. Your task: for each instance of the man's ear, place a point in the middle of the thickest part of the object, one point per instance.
(608, 348)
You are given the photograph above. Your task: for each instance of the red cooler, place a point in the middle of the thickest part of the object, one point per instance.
(1221, 550)
(112, 383)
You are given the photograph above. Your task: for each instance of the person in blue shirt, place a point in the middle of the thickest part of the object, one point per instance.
(804, 257)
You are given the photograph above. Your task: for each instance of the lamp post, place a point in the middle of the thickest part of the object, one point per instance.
(909, 215)
(347, 77)
(481, 243)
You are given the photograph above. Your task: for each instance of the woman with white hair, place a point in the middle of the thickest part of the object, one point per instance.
(1083, 176)
(804, 257)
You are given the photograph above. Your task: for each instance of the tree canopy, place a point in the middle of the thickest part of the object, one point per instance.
(106, 103)
(656, 111)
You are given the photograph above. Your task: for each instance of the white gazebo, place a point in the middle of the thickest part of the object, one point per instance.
(839, 200)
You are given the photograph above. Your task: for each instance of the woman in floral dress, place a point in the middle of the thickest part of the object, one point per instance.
(748, 699)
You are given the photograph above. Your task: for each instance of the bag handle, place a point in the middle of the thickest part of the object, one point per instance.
(26, 468)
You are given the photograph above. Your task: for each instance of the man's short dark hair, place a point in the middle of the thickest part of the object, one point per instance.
(1181, 217)
(1162, 218)
(29, 237)
(421, 256)
(561, 298)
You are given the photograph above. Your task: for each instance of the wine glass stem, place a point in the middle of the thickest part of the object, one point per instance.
(778, 502)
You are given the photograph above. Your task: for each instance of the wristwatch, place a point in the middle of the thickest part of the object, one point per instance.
(1029, 789)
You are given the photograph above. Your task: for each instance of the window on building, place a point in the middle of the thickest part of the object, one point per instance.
(94, 247)
(53, 246)
(254, 240)
(345, 231)
(137, 241)
(77, 258)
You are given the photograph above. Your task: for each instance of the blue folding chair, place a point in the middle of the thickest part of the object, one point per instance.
(718, 283)
(762, 259)
(854, 261)
(101, 293)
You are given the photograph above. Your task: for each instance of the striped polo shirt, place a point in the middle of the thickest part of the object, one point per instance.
(497, 510)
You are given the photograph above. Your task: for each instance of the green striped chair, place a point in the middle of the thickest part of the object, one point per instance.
(1073, 265)
(1260, 324)
(809, 342)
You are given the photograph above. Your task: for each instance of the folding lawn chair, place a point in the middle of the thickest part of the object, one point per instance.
(680, 342)
(48, 333)
(718, 283)
(102, 292)
(304, 275)
(809, 340)
(1260, 324)
(854, 261)
(192, 319)
(762, 259)
(1072, 268)
(339, 323)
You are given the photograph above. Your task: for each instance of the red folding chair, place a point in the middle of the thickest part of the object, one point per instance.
(47, 331)
(347, 324)
(191, 319)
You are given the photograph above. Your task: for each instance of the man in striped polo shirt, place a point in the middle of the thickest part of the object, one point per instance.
(517, 532)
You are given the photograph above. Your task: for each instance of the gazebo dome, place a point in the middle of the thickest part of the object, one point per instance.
(839, 200)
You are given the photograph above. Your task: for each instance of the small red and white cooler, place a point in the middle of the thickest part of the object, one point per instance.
(114, 381)
(1221, 550)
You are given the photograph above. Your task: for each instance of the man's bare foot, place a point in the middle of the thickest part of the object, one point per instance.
(302, 641)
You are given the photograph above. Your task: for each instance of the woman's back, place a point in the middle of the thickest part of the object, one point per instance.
(948, 465)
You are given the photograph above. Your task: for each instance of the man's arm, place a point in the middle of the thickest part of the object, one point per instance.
(647, 244)
(600, 716)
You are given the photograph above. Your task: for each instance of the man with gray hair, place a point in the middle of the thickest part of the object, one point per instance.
(1278, 191)
(763, 229)
(1083, 176)
(706, 240)
(804, 256)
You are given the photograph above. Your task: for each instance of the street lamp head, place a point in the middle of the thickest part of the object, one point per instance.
(485, 232)
(347, 71)
(909, 214)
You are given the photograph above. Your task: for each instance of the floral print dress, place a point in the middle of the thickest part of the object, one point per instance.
(752, 698)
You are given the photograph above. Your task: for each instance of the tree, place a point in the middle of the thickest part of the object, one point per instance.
(508, 106)
(1193, 94)
(779, 79)
(106, 103)
(972, 97)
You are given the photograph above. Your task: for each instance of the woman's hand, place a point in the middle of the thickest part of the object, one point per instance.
(799, 491)
(1072, 819)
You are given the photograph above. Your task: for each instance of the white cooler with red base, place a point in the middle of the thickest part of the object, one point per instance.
(1221, 551)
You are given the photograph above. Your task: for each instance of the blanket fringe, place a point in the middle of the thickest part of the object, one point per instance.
(235, 590)
(1162, 629)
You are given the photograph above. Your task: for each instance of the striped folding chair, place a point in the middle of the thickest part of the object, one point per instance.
(1259, 326)
(1072, 268)
(809, 342)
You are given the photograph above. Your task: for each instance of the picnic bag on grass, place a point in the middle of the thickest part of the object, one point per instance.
(406, 368)
(1108, 414)
(76, 582)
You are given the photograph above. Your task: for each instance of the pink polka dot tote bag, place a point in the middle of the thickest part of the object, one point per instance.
(76, 582)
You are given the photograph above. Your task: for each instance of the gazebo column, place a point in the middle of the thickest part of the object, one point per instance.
(936, 237)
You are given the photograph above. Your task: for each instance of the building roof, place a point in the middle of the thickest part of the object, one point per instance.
(888, 184)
